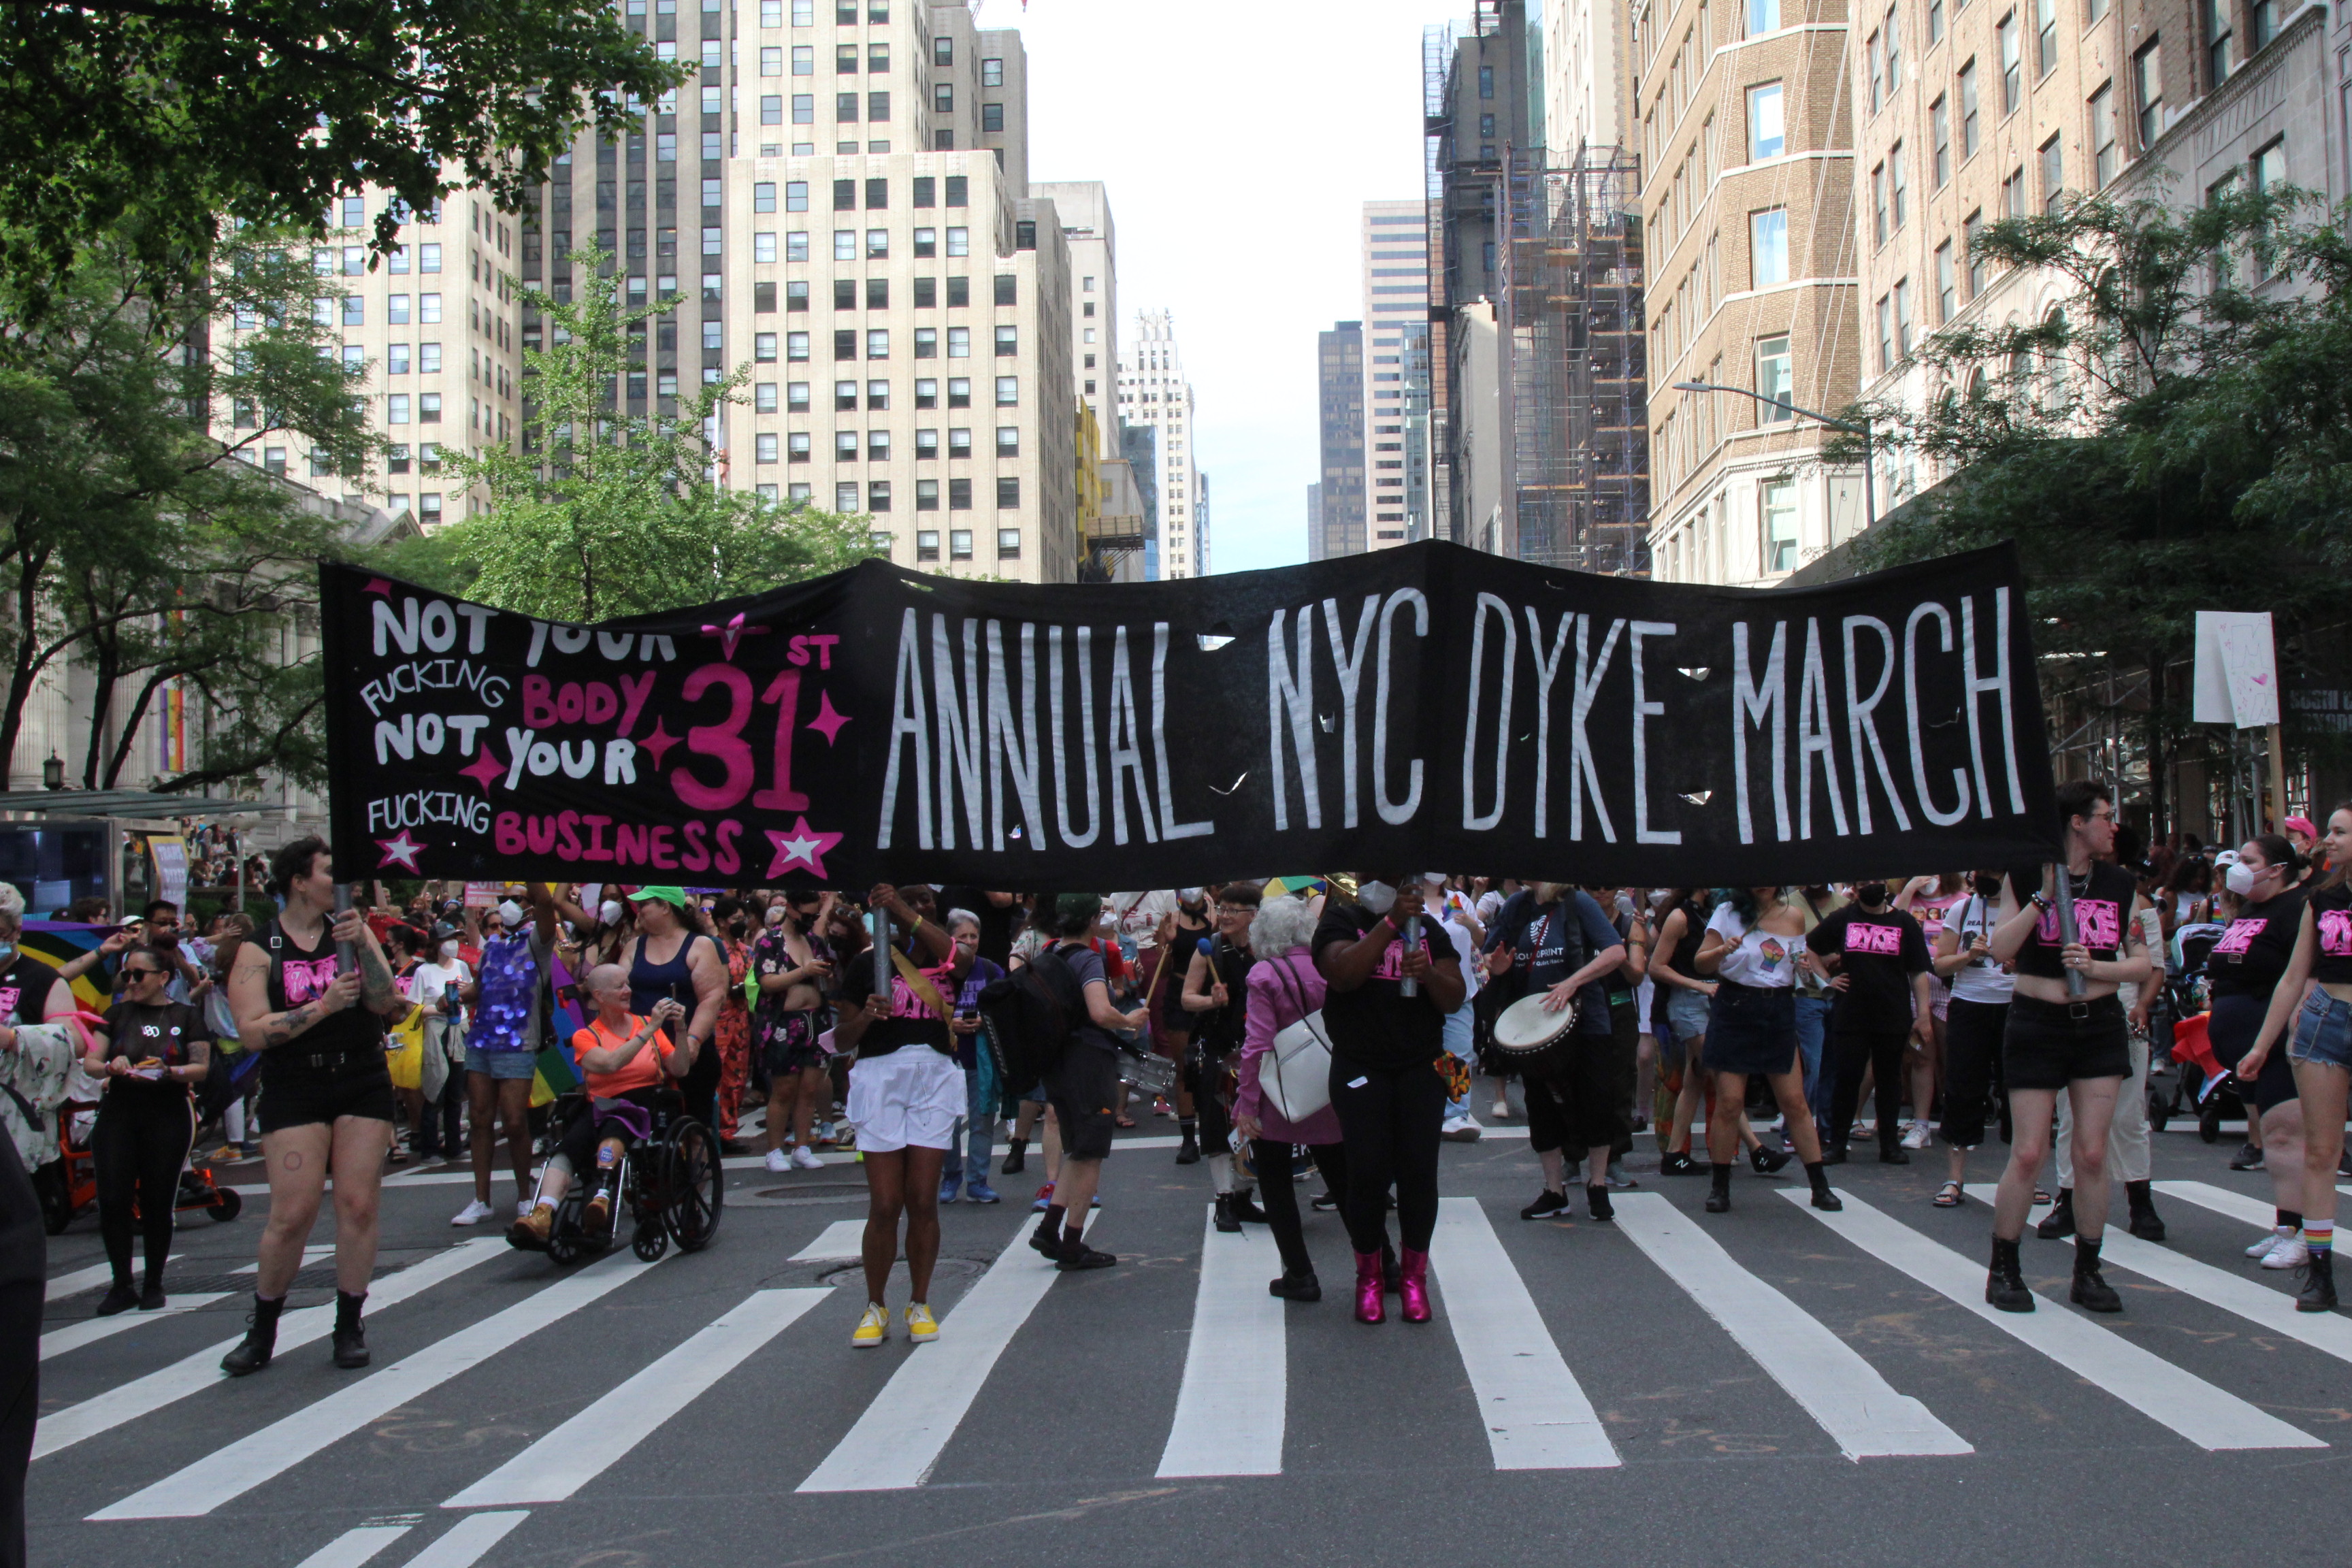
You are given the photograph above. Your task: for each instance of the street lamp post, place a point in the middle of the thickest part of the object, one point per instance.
(1869, 474)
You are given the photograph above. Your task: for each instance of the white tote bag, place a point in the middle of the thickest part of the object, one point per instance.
(1295, 1076)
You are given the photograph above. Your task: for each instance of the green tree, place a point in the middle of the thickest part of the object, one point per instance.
(2178, 437)
(605, 513)
(265, 110)
(137, 541)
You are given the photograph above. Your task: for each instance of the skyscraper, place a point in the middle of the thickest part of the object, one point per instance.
(1339, 512)
(1152, 392)
(1395, 245)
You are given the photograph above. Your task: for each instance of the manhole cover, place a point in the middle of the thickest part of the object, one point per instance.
(852, 1273)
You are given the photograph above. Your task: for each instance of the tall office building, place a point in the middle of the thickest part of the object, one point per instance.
(1395, 245)
(1747, 193)
(1084, 206)
(837, 199)
(1153, 393)
(1339, 507)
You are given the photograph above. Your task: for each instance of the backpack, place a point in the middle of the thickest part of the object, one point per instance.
(1029, 1019)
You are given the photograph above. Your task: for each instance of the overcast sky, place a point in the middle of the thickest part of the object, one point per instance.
(1239, 139)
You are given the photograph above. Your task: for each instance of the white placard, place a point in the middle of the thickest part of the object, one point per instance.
(2236, 670)
(170, 853)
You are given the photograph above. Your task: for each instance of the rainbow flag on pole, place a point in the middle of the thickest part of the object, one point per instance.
(554, 1071)
(59, 942)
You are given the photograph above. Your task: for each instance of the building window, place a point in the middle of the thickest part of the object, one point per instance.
(1008, 494)
(959, 441)
(796, 396)
(959, 292)
(927, 243)
(959, 495)
(764, 447)
(1768, 255)
(959, 544)
(844, 400)
(2269, 166)
(1774, 380)
(771, 62)
(959, 242)
(927, 495)
(1971, 230)
(2045, 36)
(2259, 24)
(845, 245)
(844, 443)
(804, 109)
(877, 343)
(877, 244)
(2053, 174)
(2013, 88)
(844, 495)
(1008, 392)
(1934, 23)
(763, 196)
(1779, 520)
(1763, 17)
(1939, 129)
(927, 342)
(1885, 332)
(1878, 204)
(395, 358)
(1766, 133)
(1968, 111)
(2012, 194)
(395, 409)
(763, 347)
(797, 445)
(1008, 440)
(926, 393)
(1876, 89)
(878, 446)
(1947, 284)
(2147, 87)
(1008, 341)
(992, 118)
(2217, 45)
(1008, 545)
(796, 347)
(927, 544)
(2104, 160)
(428, 409)
(959, 392)
(1894, 49)
(959, 343)
(1485, 81)
(992, 73)
(1903, 316)
(797, 293)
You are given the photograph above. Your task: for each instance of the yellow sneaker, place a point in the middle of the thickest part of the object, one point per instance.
(921, 1327)
(874, 1326)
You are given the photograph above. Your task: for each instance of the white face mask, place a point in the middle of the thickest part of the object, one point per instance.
(1376, 897)
(2240, 880)
(609, 911)
(511, 912)
(448, 950)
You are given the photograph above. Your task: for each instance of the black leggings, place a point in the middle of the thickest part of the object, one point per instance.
(22, 1244)
(1882, 1051)
(1389, 1120)
(1275, 1196)
(1216, 1130)
(138, 1147)
(1972, 1035)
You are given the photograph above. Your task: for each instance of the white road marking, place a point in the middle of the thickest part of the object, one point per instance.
(2221, 1200)
(79, 1279)
(2211, 1417)
(1231, 1407)
(89, 1330)
(310, 1255)
(230, 1471)
(1820, 1371)
(355, 1547)
(145, 1396)
(474, 1535)
(575, 1453)
(900, 1436)
(844, 1238)
(1536, 1415)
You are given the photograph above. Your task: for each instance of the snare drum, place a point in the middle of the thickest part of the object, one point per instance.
(1153, 1075)
(1531, 1042)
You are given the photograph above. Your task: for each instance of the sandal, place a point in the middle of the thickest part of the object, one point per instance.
(1125, 1120)
(2041, 1198)
(1947, 1196)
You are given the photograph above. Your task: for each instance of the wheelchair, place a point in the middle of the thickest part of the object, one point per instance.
(669, 1187)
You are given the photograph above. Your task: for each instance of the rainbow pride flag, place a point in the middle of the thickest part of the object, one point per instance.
(59, 942)
(553, 1072)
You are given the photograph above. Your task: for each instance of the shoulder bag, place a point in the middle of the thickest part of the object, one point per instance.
(1295, 1076)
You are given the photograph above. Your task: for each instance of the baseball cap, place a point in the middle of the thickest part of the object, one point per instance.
(2301, 824)
(674, 897)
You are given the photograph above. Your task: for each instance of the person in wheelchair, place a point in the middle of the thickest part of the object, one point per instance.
(623, 1058)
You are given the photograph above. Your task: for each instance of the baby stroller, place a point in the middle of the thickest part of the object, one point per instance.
(2193, 1082)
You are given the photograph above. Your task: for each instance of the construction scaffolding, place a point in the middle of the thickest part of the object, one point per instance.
(1576, 481)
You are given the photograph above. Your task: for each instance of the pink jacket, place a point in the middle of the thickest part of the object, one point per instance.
(1274, 1006)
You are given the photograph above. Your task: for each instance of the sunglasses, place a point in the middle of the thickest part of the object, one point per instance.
(140, 973)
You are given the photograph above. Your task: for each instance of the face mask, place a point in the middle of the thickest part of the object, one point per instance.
(448, 950)
(1987, 885)
(609, 911)
(7, 950)
(2240, 880)
(1376, 897)
(511, 912)
(1871, 894)
(1192, 898)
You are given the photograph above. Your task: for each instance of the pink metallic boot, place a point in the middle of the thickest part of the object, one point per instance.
(1415, 1289)
(1369, 1307)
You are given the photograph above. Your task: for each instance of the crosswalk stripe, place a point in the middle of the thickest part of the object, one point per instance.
(841, 1238)
(89, 1330)
(2211, 1417)
(1536, 1415)
(355, 1547)
(2221, 1200)
(310, 1255)
(465, 1545)
(1820, 1371)
(900, 1436)
(232, 1471)
(79, 1279)
(1231, 1407)
(582, 1449)
(145, 1396)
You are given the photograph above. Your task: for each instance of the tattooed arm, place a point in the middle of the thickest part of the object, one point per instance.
(259, 1028)
(377, 988)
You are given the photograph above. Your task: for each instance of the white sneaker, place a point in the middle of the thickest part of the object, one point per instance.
(1502, 1111)
(779, 1162)
(1915, 1136)
(2262, 1248)
(1464, 1129)
(474, 1213)
(2290, 1253)
(522, 1209)
(804, 1159)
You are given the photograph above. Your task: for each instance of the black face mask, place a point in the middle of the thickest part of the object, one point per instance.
(1870, 895)
(1987, 884)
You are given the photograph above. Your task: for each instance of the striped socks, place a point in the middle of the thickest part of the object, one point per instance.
(2319, 1235)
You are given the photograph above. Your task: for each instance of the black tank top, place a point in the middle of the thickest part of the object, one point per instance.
(2331, 921)
(300, 974)
(1221, 1028)
(2102, 908)
(1685, 957)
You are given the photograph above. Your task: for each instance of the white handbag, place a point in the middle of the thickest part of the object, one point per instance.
(1295, 1076)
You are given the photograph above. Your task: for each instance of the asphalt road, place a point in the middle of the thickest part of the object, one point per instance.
(1677, 1387)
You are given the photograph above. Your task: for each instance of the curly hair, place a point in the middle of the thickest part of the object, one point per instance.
(1280, 925)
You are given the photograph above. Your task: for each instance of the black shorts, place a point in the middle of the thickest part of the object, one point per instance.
(2237, 1019)
(1081, 1088)
(298, 1099)
(1589, 1101)
(2049, 1045)
(1752, 1030)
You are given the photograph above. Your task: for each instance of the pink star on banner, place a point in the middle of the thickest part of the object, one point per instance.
(402, 851)
(732, 632)
(827, 722)
(804, 846)
(658, 742)
(484, 768)
(378, 585)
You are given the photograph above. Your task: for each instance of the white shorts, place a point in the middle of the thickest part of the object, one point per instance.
(913, 1096)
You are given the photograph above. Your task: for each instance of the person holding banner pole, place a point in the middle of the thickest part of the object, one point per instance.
(2073, 942)
(673, 956)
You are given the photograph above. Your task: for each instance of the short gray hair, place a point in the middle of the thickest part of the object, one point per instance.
(962, 918)
(11, 902)
(1280, 925)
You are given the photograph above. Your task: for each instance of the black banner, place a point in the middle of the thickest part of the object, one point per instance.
(1429, 707)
